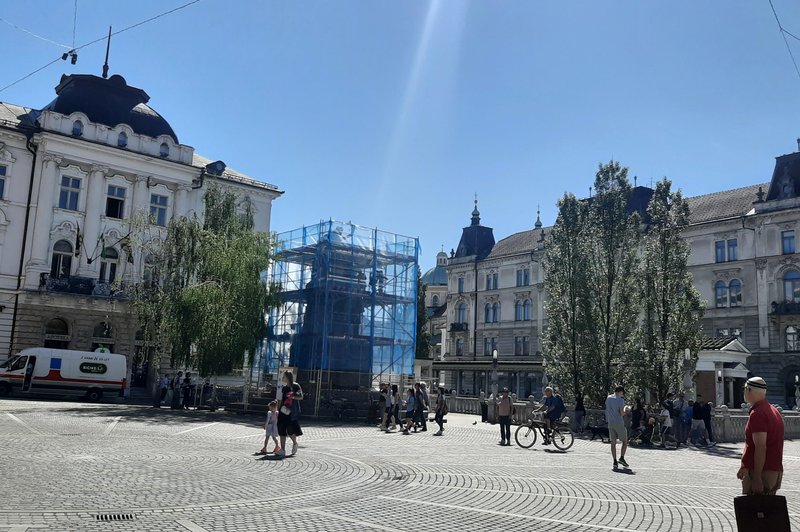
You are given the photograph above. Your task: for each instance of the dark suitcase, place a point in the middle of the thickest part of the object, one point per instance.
(761, 513)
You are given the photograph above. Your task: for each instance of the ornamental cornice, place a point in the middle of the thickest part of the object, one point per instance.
(522, 295)
(49, 157)
(728, 273)
(761, 264)
(100, 169)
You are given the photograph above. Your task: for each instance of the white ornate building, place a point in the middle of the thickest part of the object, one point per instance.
(72, 175)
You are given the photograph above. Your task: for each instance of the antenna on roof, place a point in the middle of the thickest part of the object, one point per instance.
(108, 47)
(635, 179)
(798, 143)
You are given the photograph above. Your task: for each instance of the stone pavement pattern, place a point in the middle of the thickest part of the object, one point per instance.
(64, 464)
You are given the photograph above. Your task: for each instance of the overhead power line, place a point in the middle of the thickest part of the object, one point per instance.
(36, 35)
(103, 38)
(784, 33)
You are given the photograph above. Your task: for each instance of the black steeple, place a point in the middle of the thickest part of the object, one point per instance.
(476, 239)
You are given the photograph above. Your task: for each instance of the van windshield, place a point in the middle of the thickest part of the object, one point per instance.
(8, 362)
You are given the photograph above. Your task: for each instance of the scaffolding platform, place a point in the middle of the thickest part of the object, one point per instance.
(348, 315)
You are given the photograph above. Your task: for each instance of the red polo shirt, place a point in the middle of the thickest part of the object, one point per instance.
(764, 418)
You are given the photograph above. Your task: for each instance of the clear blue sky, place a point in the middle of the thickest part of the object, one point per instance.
(393, 113)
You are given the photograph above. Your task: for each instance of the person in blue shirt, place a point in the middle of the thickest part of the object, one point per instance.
(553, 407)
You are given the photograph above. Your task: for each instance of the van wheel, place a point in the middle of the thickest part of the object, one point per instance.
(94, 395)
(5, 389)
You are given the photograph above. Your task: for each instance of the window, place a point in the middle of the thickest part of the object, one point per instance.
(61, 265)
(459, 347)
(719, 250)
(522, 345)
(122, 139)
(791, 286)
(733, 250)
(56, 335)
(523, 277)
(496, 312)
(461, 313)
(518, 313)
(460, 285)
(108, 265)
(491, 281)
(56, 326)
(70, 192)
(163, 150)
(494, 281)
(787, 242)
(791, 339)
(158, 210)
(489, 346)
(435, 300)
(115, 202)
(3, 170)
(102, 330)
(725, 332)
(527, 307)
(150, 273)
(721, 294)
(77, 128)
(487, 313)
(735, 293)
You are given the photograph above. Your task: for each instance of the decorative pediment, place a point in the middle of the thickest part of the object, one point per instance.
(728, 274)
(522, 295)
(67, 227)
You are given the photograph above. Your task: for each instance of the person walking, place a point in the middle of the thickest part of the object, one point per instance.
(708, 409)
(382, 405)
(164, 385)
(288, 397)
(504, 411)
(580, 413)
(615, 416)
(388, 407)
(679, 418)
(420, 406)
(698, 426)
(423, 386)
(761, 471)
(411, 408)
(441, 411)
(271, 428)
(397, 399)
(187, 391)
(175, 386)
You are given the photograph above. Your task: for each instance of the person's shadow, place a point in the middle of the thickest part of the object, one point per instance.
(625, 471)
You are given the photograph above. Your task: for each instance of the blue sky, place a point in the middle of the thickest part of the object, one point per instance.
(393, 113)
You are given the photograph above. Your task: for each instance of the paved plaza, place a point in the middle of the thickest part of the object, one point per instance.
(68, 465)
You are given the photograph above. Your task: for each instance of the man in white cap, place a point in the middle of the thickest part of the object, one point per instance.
(761, 471)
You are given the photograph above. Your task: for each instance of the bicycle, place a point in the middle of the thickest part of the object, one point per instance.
(560, 434)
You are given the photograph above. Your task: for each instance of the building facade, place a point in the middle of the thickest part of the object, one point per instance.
(75, 176)
(744, 260)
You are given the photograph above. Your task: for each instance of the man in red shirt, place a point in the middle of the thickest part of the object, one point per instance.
(762, 461)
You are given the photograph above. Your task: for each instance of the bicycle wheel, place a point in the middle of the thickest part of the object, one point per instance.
(563, 438)
(525, 436)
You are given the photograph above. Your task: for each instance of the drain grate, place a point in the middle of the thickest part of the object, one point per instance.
(114, 517)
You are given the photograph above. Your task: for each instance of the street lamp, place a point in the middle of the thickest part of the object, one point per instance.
(494, 372)
(797, 392)
(720, 389)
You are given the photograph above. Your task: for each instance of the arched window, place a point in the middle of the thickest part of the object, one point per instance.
(496, 312)
(77, 128)
(460, 285)
(163, 150)
(735, 293)
(435, 300)
(518, 311)
(122, 139)
(61, 264)
(57, 326)
(461, 313)
(459, 346)
(526, 310)
(150, 271)
(108, 265)
(102, 330)
(791, 339)
(721, 294)
(487, 313)
(791, 286)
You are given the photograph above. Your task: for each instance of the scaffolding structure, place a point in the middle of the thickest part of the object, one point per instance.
(349, 306)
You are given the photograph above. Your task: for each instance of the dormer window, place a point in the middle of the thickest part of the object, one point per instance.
(163, 151)
(77, 128)
(122, 139)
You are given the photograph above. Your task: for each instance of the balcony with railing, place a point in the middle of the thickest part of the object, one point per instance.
(84, 286)
(459, 327)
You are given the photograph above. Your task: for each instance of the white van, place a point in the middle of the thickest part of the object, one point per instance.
(40, 370)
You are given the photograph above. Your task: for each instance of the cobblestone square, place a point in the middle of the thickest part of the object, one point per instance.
(68, 465)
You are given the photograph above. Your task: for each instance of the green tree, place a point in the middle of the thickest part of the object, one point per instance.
(673, 310)
(204, 295)
(565, 284)
(611, 301)
(423, 347)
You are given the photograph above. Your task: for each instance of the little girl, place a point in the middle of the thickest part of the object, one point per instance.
(271, 428)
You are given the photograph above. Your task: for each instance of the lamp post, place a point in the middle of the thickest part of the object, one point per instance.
(494, 373)
(720, 390)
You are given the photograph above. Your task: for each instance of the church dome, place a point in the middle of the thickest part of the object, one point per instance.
(110, 102)
(437, 276)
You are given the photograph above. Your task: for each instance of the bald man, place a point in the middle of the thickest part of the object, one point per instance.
(761, 471)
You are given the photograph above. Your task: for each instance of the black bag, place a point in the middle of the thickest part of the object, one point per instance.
(761, 513)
